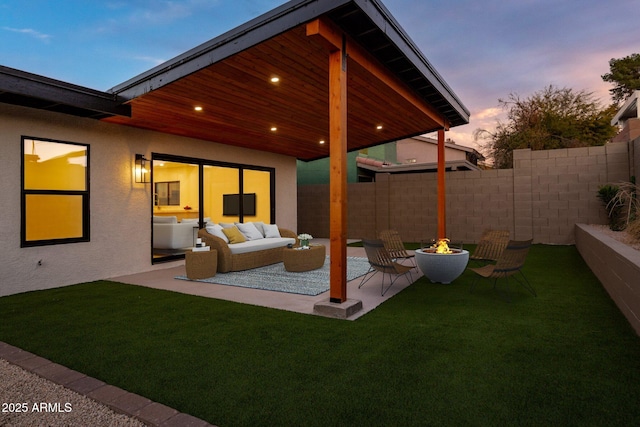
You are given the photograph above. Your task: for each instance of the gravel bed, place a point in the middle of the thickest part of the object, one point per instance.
(620, 236)
(29, 400)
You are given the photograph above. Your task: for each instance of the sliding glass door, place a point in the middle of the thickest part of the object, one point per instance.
(238, 193)
(176, 207)
(188, 193)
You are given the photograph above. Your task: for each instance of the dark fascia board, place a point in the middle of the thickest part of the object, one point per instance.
(56, 95)
(278, 21)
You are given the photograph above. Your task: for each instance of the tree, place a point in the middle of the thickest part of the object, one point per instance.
(625, 76)
(549, 119)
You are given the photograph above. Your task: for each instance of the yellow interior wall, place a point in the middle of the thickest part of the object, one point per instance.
(258, 182)
(54, 174)
(53, 217)
(218, 181)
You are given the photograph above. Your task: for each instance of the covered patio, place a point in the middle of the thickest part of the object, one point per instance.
(310, 79)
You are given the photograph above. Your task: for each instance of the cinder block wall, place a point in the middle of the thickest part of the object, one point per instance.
(542, 197)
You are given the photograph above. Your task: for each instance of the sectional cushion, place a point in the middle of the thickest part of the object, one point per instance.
(260, 226)
(165, 219)
(261, 244)
(271, 231)
(249, 231)
(216, 230)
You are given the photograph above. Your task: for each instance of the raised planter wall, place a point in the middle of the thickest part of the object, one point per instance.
(616, 265)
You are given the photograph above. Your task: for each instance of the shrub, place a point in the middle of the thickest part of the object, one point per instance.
(607, 194)
(634, 229)
(626, 199)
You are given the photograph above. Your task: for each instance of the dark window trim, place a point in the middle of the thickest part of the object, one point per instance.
(86, 217)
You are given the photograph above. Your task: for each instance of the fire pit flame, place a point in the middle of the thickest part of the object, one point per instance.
(442, 247)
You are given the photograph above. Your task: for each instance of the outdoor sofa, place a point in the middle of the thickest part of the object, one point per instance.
(259, 244)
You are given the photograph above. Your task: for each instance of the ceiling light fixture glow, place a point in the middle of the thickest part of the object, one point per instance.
(197, 108)
(273, 129)
(379, 127)
(275, 79)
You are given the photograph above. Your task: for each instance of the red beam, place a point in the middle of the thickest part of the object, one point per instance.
(338, 175)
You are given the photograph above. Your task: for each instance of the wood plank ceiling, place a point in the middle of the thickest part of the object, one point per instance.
(240, 105)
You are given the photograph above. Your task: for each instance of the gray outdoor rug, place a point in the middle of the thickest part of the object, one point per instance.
(275, 278)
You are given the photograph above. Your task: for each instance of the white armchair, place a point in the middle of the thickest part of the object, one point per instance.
(169, 234)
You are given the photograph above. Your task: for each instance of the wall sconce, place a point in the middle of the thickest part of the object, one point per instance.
(140, 170)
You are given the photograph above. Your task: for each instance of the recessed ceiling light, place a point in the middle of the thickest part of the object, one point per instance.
(275, 79)
(322, 141)
(379, 127)
(197, 108)
(273, 129)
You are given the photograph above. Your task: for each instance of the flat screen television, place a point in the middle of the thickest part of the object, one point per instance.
(231, 204)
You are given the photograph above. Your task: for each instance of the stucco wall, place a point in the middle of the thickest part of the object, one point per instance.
(120, 209)
(425, 152)
(542, 197)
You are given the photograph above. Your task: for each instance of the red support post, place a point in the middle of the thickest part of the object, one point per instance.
(442, 218)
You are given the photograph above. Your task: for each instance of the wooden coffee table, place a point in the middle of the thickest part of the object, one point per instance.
(297, 260)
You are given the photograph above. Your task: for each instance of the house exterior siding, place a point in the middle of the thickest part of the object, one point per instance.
(120, 209)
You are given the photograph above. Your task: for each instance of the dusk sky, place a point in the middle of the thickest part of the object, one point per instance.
(485, 50)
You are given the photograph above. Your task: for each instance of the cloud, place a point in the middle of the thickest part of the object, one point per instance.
(488, 113)
(154, 61)
(30, 32)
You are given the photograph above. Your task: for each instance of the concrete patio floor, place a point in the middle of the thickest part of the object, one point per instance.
(369, 294)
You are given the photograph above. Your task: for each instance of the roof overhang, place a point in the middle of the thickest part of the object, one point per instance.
(34, 91)
(390, 83)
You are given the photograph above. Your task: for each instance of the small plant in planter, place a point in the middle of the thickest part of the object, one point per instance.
(627, 199)
(607, 194)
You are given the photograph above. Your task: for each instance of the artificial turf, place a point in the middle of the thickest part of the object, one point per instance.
(432, 355)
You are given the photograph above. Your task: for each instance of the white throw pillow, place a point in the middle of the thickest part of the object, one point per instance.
(216, 230)
(190, 221)
(260, 226)
(227, 224)
(249, 231)
(271, 231)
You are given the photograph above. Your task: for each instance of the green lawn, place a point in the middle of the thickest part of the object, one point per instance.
(432, 355)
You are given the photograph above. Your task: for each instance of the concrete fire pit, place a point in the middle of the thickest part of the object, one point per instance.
(442, 268)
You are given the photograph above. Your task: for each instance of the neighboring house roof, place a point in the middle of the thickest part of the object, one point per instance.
(382, 167)
(390, 83)
(426, 162)
(629, 110)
